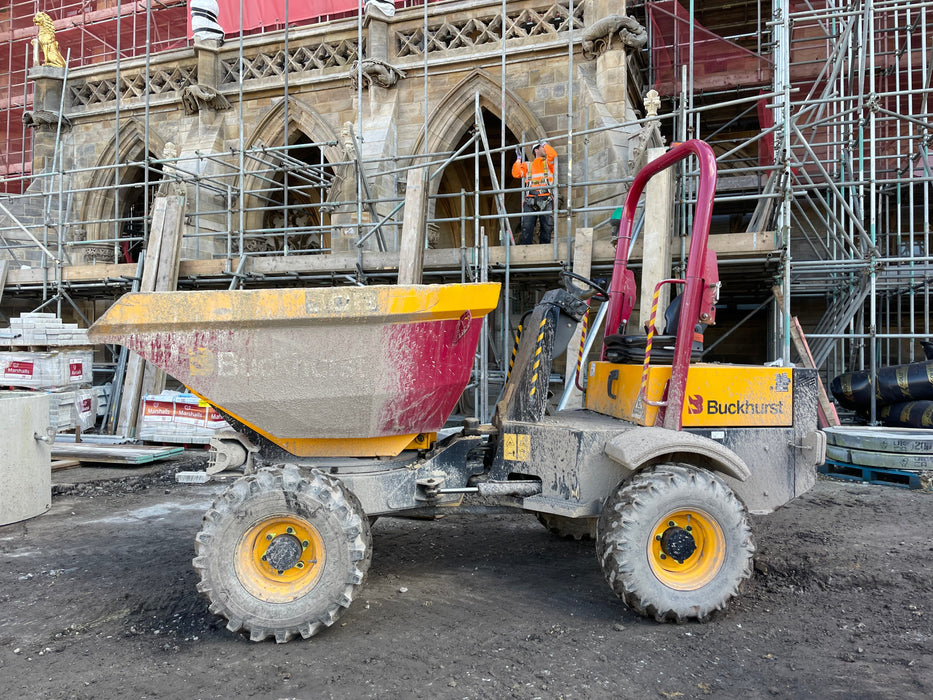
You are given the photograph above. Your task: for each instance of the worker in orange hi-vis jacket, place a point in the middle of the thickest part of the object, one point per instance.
(538, 180)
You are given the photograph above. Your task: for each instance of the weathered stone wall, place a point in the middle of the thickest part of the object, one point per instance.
(202, 105)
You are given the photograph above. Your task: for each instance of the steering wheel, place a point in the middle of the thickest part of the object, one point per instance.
(592, 290)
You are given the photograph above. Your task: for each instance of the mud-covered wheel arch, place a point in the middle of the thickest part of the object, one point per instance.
(674, 543)
(283, 552)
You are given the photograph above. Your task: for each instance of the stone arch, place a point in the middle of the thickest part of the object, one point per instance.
(454, 116)
(304, 124)
(109, 192)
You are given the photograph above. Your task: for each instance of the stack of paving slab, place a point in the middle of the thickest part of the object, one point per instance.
(179, 418)
(41, 353)
(881, 455)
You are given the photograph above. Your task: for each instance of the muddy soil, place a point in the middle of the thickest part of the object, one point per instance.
(98, 600)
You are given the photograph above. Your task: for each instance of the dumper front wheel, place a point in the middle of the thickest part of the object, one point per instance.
(674, 543)
(282, 553)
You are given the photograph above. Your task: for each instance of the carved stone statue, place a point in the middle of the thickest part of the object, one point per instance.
(46, 41)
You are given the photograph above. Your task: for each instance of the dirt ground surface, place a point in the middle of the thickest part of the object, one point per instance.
(98, 600)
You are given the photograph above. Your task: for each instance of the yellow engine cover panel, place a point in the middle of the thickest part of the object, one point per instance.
(718, 396)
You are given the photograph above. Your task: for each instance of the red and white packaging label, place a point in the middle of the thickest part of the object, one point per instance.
(18, 369)
(190, 414)
(76, 370)
(161, 411)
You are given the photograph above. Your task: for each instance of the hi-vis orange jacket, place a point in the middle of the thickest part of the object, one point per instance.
(538, 175)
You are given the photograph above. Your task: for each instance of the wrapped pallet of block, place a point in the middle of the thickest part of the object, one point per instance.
(40, 353)
(179, 418)
(46, 370)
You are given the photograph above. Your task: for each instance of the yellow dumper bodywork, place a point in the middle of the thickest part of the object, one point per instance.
(717, 396)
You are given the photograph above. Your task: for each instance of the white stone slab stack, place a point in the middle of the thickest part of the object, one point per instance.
(40, 352)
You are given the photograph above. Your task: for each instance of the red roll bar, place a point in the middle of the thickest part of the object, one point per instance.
(621, 299)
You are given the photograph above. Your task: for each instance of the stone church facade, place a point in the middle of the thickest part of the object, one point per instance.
(283, 133)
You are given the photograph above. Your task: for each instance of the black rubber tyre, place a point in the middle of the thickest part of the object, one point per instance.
(323, 546)
(670, 511)
(569, 528)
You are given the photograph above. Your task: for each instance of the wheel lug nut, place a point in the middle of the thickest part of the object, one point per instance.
(269, 537)
(289, 530)
(657, 537)
(300, 565)
(663, 556)
(304, 544)
(689, 528)
(264, 557)
(670, 523)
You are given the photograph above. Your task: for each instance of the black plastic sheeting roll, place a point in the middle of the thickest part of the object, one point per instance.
(897, 384)
(912, 414)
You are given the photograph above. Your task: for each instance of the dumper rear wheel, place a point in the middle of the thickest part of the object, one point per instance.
(674, 543)
(282, 553)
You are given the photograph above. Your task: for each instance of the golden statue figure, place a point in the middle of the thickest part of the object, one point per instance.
(46, 41)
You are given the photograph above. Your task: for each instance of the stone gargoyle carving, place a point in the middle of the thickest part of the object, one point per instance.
(197, 97)
(597, 38)
(375, 72)
(44, 120)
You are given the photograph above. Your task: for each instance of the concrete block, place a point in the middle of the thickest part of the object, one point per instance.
(25, 470)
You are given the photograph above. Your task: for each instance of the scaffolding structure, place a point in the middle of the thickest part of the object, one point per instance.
(821, 115)
(90, 31)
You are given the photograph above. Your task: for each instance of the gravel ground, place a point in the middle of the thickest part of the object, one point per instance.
(98, 600)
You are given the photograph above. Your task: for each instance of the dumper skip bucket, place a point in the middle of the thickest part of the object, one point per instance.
(355, 371)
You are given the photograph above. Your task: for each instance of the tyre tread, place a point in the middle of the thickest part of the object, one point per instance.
(326, 490)
(631, 503)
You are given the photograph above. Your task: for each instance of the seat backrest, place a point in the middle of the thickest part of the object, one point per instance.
(672, 316)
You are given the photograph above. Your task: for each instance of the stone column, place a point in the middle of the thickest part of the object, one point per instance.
(656, 237)
(208, 52)
(611, 71)
(49, 82)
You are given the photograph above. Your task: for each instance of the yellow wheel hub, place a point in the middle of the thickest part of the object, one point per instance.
(280, 558)
(686, 550)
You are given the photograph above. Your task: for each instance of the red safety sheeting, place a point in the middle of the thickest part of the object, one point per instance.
(271, 13)
(717, 62)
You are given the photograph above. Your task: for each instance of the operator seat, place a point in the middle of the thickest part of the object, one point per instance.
(630, 349)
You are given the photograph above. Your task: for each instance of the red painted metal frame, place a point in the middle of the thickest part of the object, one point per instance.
(693, 289)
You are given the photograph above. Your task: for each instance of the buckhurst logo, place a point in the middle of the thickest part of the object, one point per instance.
(744, 408)
(733, 408)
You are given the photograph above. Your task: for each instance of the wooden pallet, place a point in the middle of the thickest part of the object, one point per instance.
(59, 464)
(872, 475)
